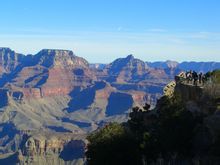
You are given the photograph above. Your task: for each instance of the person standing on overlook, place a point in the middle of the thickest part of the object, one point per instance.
(200, 77)
(195, 78)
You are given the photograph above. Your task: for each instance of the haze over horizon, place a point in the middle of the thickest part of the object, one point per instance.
(101, 31)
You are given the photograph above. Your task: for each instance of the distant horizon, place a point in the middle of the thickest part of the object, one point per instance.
(101, 31)
(168, 60)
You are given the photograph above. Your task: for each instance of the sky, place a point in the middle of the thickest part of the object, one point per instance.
(103, 30)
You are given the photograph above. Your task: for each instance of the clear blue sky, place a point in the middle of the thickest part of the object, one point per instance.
(102, 30)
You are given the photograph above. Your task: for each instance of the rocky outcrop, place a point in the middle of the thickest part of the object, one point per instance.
(48, 149)
(44, 145)
(125, 69)
(62, 58)
(48, 73)
(41, 149)
(9, 60)
(65, 71)
(169, 89)
(189, 92)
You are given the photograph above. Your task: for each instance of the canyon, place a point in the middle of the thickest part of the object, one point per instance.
(50, 101)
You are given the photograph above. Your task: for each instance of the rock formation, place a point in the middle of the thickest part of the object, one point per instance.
(51, 100)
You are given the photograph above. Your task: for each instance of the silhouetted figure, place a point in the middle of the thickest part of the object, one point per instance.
(190, 76)
(200, 77)
(146, 107)
(195, 78)
(187, 76)
(208, 77)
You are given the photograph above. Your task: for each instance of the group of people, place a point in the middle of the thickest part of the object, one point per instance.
(195, 78)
